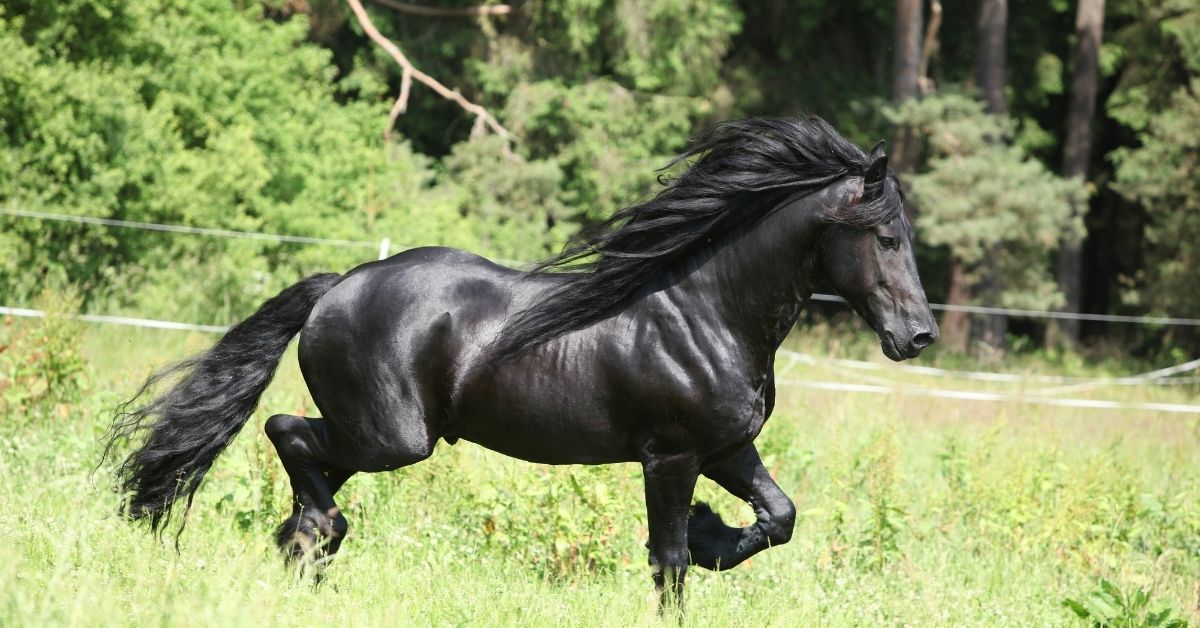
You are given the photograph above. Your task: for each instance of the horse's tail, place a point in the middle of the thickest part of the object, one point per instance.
(211, 398)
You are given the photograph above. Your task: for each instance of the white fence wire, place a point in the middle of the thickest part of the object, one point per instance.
(385, 246)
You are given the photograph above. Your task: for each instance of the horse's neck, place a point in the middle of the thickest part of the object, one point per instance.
(758, 279)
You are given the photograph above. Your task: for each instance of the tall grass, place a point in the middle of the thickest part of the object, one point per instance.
(913, 511)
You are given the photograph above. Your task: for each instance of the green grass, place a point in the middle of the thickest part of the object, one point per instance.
(914, 511)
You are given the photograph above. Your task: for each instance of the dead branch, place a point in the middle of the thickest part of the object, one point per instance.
(424, 11)
(483, 119)
(929, 47)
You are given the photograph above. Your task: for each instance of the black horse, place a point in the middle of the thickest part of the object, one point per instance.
(657, 347)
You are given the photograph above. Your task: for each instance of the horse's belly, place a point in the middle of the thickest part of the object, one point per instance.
(548, 426)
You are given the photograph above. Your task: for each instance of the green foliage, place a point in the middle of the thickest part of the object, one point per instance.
(673, 47)
(505, 205)
(878, 468)
(41, 367)
(561, 523)
(657, 51)
(608, 140)
(1109, 607)
(211, 117)
(1154, 47)
(205, 114)
(986, 200)
(1160, 173)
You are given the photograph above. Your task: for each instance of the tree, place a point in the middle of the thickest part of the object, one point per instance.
(1077, 150)
(994, 209)
(993, 26)
(991, 57)
(906, 72)
(1159, 173)
(906, 60)
(204, 114)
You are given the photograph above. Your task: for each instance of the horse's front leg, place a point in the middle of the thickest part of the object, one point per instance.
(713, 544)
(670, 481)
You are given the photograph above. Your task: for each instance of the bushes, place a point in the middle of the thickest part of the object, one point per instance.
(41, 367)
(204, 114)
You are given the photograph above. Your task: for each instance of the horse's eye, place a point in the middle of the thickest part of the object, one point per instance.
(888, 242)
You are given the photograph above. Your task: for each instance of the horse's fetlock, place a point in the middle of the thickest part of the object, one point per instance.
(338, 526)
(781, 521)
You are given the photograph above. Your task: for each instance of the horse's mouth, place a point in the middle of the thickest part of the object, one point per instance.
(887, 342)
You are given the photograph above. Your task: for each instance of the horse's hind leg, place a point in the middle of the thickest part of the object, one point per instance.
(714, 545)
(316, 527)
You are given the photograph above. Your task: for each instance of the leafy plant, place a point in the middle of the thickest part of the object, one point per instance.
(878, 466)
(564, 523)
(40, 362)
(1109, 607)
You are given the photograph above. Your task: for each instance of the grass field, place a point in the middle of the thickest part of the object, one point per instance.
(914, 511)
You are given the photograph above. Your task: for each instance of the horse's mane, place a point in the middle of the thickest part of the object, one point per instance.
(741, 170)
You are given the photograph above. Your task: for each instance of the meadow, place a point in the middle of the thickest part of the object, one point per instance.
(914, 511)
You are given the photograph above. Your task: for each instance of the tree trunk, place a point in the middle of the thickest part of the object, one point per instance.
(956, 326)
(906, 64)
(906, 74)
(1077, 153)
(993, 25)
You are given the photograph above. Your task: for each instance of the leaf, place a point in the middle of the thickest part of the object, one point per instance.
(1113, 592)
(1076, 607)
(1101, 606)
(1139, 599)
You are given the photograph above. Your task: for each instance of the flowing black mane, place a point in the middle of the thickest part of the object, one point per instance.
(743, 169)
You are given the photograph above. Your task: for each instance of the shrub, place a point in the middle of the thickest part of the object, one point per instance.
(40, 364)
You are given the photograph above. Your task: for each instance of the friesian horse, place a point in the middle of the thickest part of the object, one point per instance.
(654, 342)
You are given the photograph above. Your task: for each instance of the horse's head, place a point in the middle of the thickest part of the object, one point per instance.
(867, 256)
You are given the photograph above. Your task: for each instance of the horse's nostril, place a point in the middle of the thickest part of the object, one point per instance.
(923, 339)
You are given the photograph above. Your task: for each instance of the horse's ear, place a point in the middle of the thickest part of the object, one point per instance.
(877, 152)
(876, 171)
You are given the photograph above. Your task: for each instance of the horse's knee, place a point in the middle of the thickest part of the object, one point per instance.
(780, 519)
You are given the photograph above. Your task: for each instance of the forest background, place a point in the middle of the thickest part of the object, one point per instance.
(1049, 148)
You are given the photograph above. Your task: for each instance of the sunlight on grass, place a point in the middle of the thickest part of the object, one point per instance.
(913, 511)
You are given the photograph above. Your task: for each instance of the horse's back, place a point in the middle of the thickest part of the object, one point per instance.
(383, 350)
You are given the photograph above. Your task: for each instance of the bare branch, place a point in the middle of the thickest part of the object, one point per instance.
(410, 72)
(401, 103)
(417, 9)
(930, 47)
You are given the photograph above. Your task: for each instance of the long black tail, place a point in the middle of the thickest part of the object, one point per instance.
(190, 424)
